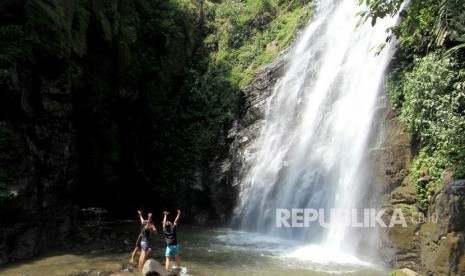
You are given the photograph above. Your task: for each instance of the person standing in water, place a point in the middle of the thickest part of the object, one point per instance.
(172, 247)
(145, 240)
(143, 222)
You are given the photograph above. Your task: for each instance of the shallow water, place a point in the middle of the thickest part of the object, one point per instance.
(210, 252)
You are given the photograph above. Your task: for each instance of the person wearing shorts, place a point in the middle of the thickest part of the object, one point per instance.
(143, 223)
(145, 240)
(172, 247)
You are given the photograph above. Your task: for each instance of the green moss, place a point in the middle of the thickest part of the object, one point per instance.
(248, 27)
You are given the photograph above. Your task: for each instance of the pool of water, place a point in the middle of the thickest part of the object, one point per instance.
(208, 252)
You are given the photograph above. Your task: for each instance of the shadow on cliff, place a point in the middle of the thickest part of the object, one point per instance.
(99, 111)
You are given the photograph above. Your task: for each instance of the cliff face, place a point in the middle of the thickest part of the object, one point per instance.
(240, 140)
(75, 122)
(433, 241)
(443, 232)
(39, 144)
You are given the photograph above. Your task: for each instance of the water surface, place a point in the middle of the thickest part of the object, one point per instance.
(212, 251)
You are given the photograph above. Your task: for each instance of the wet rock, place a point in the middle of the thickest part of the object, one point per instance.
(393, 158)
(457, 187)
(153, 268)
(236, 144)
(405, 240)
(443, 234)
(398, 246)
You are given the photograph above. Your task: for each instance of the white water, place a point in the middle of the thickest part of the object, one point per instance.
(313, 147)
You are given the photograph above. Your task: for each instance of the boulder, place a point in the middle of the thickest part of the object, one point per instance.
(152, 268)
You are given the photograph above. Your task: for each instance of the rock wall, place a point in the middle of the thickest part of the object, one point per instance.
(37, 122)
(433, 241)
(74, 112)
(442, 235)
(239, 142)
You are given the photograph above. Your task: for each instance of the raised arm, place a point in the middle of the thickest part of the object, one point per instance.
(177, 218)
(149, 218)
(165, 213)
(148, 224)
(140, 216)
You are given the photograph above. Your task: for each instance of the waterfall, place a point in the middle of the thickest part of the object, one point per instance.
(313, 147)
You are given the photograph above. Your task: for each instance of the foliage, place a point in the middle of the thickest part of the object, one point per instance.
(427, 84)
(434, 100)
(242, 30)
(425, 25)
(12, 44)
(234, 39)
(431, 96)
(426, 171)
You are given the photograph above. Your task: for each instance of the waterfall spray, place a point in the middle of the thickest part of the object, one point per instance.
(312, 150)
